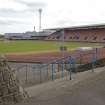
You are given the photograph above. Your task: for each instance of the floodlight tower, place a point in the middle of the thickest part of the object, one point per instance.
(34, 28)
(40, 17)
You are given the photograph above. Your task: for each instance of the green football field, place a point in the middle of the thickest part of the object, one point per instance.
(7, 47)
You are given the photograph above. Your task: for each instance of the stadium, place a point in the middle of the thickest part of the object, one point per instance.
(80, 45)
(52, 52)
(59, 55)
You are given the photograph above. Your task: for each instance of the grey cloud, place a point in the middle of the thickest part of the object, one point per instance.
(31, 8)
(14, 14)
(3, 23)
(66, 22)
(10, 22)
(7, 12)
(33, 5)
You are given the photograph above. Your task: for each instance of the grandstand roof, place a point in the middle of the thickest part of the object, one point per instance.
(92, 26)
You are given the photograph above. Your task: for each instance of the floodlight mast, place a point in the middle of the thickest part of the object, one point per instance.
(63, 42)
(34, 28)
(63, 52)
(40, 17)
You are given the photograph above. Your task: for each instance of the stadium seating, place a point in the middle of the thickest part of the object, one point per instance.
(84, 35)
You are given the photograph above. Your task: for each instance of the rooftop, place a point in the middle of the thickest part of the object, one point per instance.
(92, 26)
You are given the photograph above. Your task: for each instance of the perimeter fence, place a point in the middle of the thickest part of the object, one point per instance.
(64, 67)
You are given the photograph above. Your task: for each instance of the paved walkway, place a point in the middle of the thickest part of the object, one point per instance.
(86, 88)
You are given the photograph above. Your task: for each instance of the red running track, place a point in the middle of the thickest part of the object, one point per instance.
(84, 56)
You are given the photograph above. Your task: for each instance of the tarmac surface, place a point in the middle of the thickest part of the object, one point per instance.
(86, 88)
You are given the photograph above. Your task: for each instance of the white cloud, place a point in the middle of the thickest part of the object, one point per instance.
(56, 13)
(11, 4)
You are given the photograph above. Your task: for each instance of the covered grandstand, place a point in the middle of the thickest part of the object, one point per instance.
(89, 33)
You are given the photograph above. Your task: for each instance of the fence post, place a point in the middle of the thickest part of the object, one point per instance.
(52, 71)
(80, 59)
(72, 65)
(70, 72)
(40, 74)
(62, 73)
(47, 72)
(93, 64)
(58, 67)
(94, 59)
(26, 74)
(34, 70)
(96, 50)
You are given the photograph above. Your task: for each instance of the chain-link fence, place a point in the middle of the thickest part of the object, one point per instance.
(34, 73)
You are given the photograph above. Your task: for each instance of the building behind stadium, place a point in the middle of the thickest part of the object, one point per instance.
(27, 35)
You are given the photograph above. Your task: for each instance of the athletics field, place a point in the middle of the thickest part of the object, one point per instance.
(32, 46)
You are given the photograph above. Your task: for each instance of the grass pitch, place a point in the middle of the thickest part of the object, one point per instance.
(7, 47)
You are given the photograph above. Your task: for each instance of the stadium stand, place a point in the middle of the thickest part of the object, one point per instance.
(95, 33)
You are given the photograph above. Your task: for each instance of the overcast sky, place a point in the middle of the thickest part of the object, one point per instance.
(22, 15)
